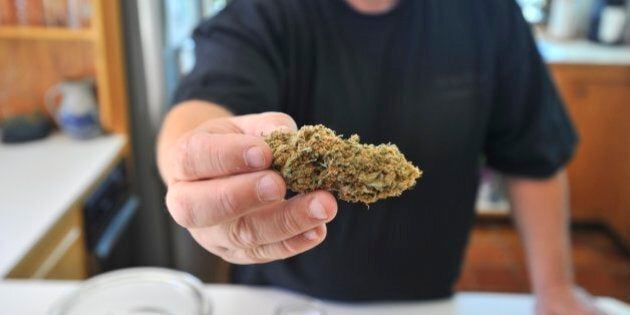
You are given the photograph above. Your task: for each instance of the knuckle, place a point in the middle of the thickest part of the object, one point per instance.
(257, 255)
(227, 202)
(288, 224)
(241, 234)
(184, 156)
(287, 249)
(219, 159)
(180, 207)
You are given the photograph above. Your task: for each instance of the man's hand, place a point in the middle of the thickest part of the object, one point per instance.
(566, 302)
(221, 189)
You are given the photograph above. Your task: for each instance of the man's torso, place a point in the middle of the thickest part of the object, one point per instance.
(420, 76)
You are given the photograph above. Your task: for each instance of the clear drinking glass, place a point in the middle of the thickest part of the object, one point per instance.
(137, 291)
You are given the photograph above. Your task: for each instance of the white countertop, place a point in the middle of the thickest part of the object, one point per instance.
(39, 181)
(36, 297)
(582, 52)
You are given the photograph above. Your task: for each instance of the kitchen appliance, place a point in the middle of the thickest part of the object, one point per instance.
(107, 214)
(137, 291)
(77, 112)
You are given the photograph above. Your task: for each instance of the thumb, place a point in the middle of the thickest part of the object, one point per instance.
(264, 124)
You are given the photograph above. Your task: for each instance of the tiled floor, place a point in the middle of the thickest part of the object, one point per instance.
(495, 262)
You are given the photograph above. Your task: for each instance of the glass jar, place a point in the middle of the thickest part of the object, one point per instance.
(137, 291)
(79, 13)
(56, 12)
(29, 12)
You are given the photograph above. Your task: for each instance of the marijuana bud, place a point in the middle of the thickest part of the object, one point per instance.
(315, 158)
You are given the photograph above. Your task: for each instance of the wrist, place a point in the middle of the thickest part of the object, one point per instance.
(554, 289)
(551, 279)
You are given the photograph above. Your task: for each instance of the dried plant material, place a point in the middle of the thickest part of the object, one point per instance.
(314, 158)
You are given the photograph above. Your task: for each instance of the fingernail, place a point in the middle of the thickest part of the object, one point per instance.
(311, 235)
(254, 157)
(316, 210)
(268, 189)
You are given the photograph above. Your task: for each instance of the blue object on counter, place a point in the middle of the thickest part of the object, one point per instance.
(26, 128)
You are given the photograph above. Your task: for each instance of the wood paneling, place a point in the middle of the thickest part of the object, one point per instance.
(45, 33)
(598, 100)
(32, 59)
(30, 67)
(110, 67)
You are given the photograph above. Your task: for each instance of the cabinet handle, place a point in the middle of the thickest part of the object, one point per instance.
(57, 254)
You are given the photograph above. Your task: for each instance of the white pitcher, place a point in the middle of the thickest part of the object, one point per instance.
(77, 112)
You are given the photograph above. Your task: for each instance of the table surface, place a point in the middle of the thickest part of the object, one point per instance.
(582, 52)
(39, 182)
(36, 297)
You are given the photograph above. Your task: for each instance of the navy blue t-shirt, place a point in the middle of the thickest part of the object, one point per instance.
(451, 82)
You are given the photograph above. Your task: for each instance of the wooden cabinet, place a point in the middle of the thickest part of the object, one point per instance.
(44, 226)
(59, 254)
(598, 100)
(33, 58)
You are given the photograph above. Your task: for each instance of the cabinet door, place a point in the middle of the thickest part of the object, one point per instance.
(598, 99)
(60, 254)
(67, 259)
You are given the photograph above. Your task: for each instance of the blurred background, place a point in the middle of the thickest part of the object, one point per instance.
(84, 85)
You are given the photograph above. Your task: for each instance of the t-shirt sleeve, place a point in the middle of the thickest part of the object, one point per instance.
(237, 65)
(530, 133)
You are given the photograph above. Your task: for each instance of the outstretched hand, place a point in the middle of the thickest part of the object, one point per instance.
(221, 189)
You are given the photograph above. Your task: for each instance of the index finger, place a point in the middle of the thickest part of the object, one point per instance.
(265, 123)
(203, 155)
(252, 124)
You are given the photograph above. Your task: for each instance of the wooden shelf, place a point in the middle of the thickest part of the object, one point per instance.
(45, 33)
(34, 58)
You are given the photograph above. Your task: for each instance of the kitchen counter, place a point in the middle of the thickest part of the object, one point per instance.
(36, 297)
(582, 52)
(40, 181)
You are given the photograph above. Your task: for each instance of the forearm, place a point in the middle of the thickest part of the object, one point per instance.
(541, 211)
(183, 118)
